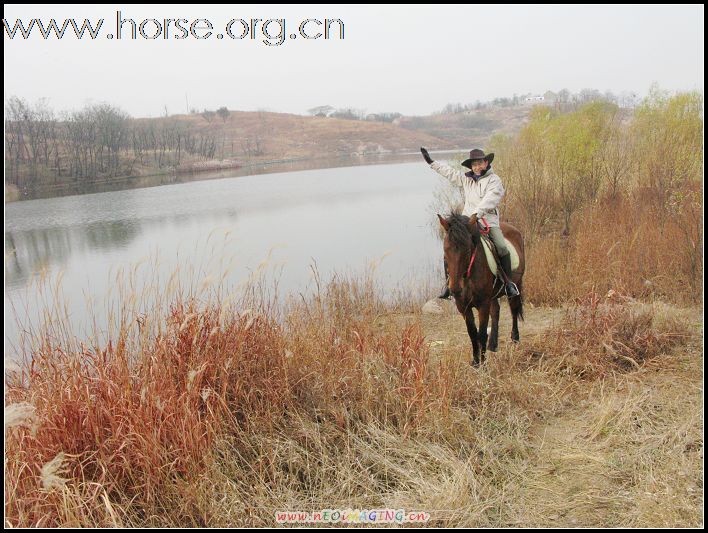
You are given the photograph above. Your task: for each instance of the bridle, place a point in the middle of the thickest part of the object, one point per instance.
(483, 231)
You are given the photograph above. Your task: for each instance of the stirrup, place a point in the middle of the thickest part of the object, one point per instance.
(511, 289)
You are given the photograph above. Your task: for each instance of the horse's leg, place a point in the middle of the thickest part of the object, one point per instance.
(472, 332)
(483, 321)
(494, 337)
(516, 307)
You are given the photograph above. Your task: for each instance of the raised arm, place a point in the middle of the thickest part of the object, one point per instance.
(454, 176)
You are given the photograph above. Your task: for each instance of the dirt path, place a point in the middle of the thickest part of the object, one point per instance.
(448, 329)
(628, 454)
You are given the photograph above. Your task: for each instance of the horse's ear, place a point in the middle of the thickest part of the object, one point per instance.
(444, 223)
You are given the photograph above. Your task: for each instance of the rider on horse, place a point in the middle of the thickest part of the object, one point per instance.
(483, 191)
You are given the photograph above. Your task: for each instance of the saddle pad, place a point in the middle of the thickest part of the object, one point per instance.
(490, 257)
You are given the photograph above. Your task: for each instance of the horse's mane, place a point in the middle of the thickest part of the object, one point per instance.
(461, 236)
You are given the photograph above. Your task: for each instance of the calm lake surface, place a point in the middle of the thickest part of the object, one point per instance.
(337, 219)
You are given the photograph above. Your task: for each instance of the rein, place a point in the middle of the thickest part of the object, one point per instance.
(469, 268)
(486, 228)
(483, 231)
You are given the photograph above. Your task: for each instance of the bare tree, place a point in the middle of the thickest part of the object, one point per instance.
(208, 115)
(349, 113)
(616, 161)
(223, 114)
(321, 111)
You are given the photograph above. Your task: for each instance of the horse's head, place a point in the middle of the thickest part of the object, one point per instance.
(461, 238)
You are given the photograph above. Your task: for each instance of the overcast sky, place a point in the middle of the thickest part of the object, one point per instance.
(409, 59)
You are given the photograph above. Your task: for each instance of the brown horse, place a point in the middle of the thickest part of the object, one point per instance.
(475, 285)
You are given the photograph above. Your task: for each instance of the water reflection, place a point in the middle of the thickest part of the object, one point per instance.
(340, 219)
(31, 251)
(249, 169)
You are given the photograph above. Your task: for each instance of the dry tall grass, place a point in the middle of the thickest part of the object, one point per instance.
(226, 414)
(617, 245)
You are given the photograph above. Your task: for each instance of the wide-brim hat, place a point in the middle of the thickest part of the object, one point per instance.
(477, 154)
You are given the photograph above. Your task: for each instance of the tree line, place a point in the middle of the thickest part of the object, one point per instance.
(610, 197)
(98, 141)
(563, 100)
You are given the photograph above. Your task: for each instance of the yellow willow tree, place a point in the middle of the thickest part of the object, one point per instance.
(668, 132)
(557, 163)
(521, 163)
(616, 163)
(575, 143)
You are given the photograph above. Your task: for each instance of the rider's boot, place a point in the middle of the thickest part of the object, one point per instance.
(511, 288)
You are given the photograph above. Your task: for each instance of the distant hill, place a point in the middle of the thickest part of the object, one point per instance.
(101, 144)
(254, 136)
(265, 135)
(470, 128)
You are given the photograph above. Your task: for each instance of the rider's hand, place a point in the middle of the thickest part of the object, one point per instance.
(426, 156)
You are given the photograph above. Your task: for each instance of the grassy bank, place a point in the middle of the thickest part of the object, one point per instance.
(221, 413)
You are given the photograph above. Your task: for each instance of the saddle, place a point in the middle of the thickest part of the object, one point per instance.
(490, 251)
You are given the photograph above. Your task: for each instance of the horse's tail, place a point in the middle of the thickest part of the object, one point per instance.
(521, 295)
(521, 307)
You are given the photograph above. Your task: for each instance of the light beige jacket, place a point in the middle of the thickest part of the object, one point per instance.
(482, 197)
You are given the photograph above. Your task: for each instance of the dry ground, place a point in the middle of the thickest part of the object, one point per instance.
(524, 441)
(622, 451)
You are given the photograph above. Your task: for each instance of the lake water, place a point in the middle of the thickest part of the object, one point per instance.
(337, 219)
